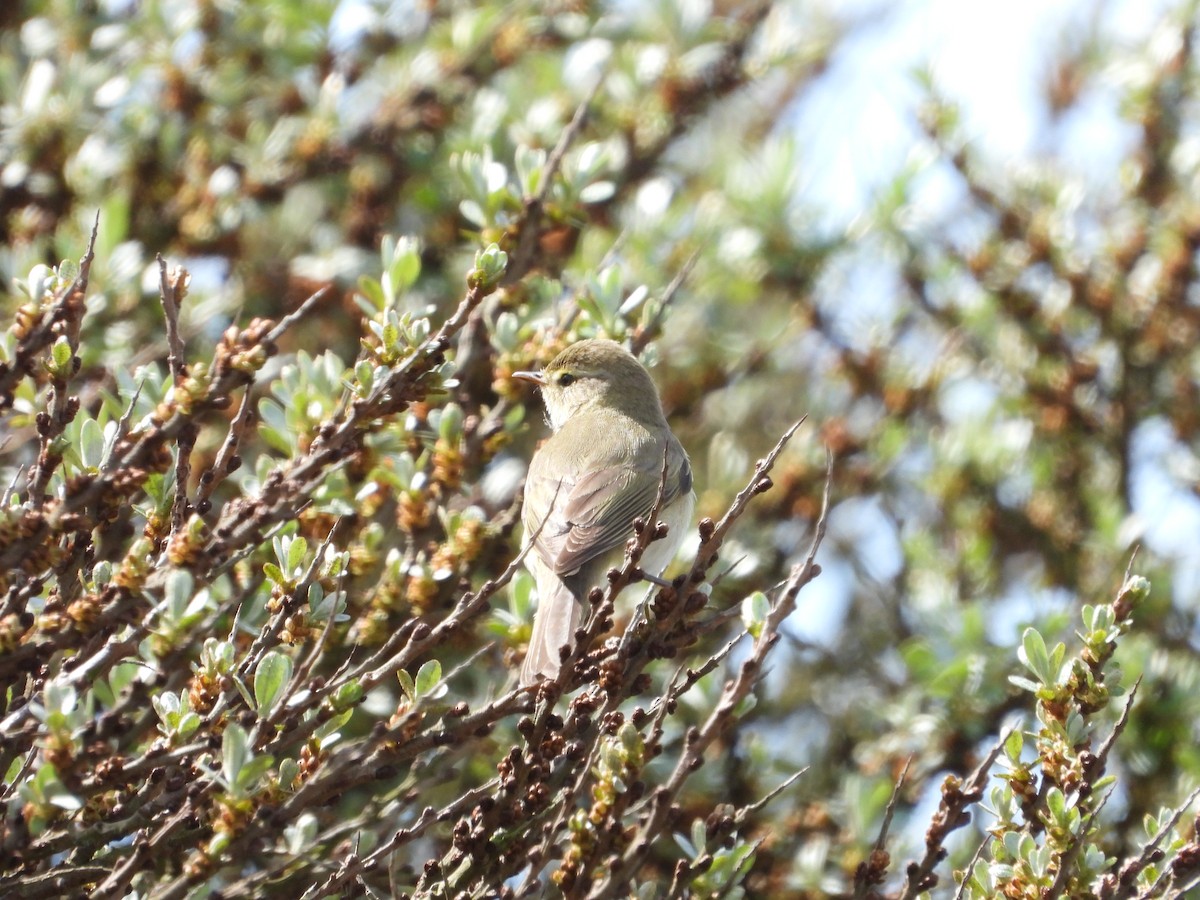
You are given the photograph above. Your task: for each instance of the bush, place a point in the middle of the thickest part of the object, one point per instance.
(263, 602)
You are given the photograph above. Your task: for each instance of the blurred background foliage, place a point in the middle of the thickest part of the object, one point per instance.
(1002, 358)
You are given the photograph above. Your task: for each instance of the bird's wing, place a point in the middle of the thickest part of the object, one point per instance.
(593, 512)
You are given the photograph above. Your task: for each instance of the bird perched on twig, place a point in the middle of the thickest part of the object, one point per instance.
(600, 469)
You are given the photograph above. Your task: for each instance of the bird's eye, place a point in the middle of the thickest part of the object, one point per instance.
(566, 379)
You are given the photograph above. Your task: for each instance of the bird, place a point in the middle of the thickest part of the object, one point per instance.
(600, 469)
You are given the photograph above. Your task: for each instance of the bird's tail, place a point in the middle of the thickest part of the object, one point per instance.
(554, 624)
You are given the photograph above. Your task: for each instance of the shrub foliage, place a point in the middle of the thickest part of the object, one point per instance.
(269, 268)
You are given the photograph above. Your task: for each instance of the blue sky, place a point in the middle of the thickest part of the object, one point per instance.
(993, 58)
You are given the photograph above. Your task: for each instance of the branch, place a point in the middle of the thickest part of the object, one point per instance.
(874, 870)
(951, 815)
(697, 740)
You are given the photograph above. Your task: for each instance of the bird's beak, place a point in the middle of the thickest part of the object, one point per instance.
(536, 377)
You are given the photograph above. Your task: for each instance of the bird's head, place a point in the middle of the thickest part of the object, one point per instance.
(596, 374)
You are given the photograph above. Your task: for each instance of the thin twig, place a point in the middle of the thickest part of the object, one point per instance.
(966, 880)
(354, 864)
(1130, 871)
(645, 333)
(769, 796)
(535, 205)
(282, 326)
(951, 815)
(874, 869)
(699, 739)
(172, 288)
(6, 497)
(223, 465)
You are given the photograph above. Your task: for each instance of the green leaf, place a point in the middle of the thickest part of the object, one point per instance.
(428, 678)
(289, 771)
(58, 795)
(61, 354)
(91, 444)
(178, 592)
(745, 856)
(300, 834)
(372, 290)
(364, 374)
(406, 684)
(490, 264)
(1014, 744)
(391, 335)
(104, 693)
(234, 753)
(270, 678)
(187, 725)
(1032, 653)
(244, 691)
(699, 835)
(348, 695)
(328, 733)
(1024, 683)
(296, 553)
(754, 613)
(688, 848)
(529, 164)
(406, 263)
(473, 213)
(451, 422)
(252, 772)
(1055, 802)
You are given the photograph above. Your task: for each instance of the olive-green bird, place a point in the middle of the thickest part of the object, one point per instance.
(599, 470)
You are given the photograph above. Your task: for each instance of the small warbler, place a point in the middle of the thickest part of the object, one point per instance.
(599, 470)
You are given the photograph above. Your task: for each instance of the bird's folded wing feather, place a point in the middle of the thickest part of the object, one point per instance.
(593, 511)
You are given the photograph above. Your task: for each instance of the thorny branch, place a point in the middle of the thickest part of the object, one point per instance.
(152, 806)
(957, 797)
(723, 715)
(872, 871)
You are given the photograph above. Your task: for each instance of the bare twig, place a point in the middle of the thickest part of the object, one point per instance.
(123, 424)
(1125, 883)
(645, 333)
(966, 880)
(354, 864)
(535, 205)
(225, 463)
(873, 871)
(172, 288)
(721, 718)
(951, 814)
(757, 805)
(6, 497)
(284, 325)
